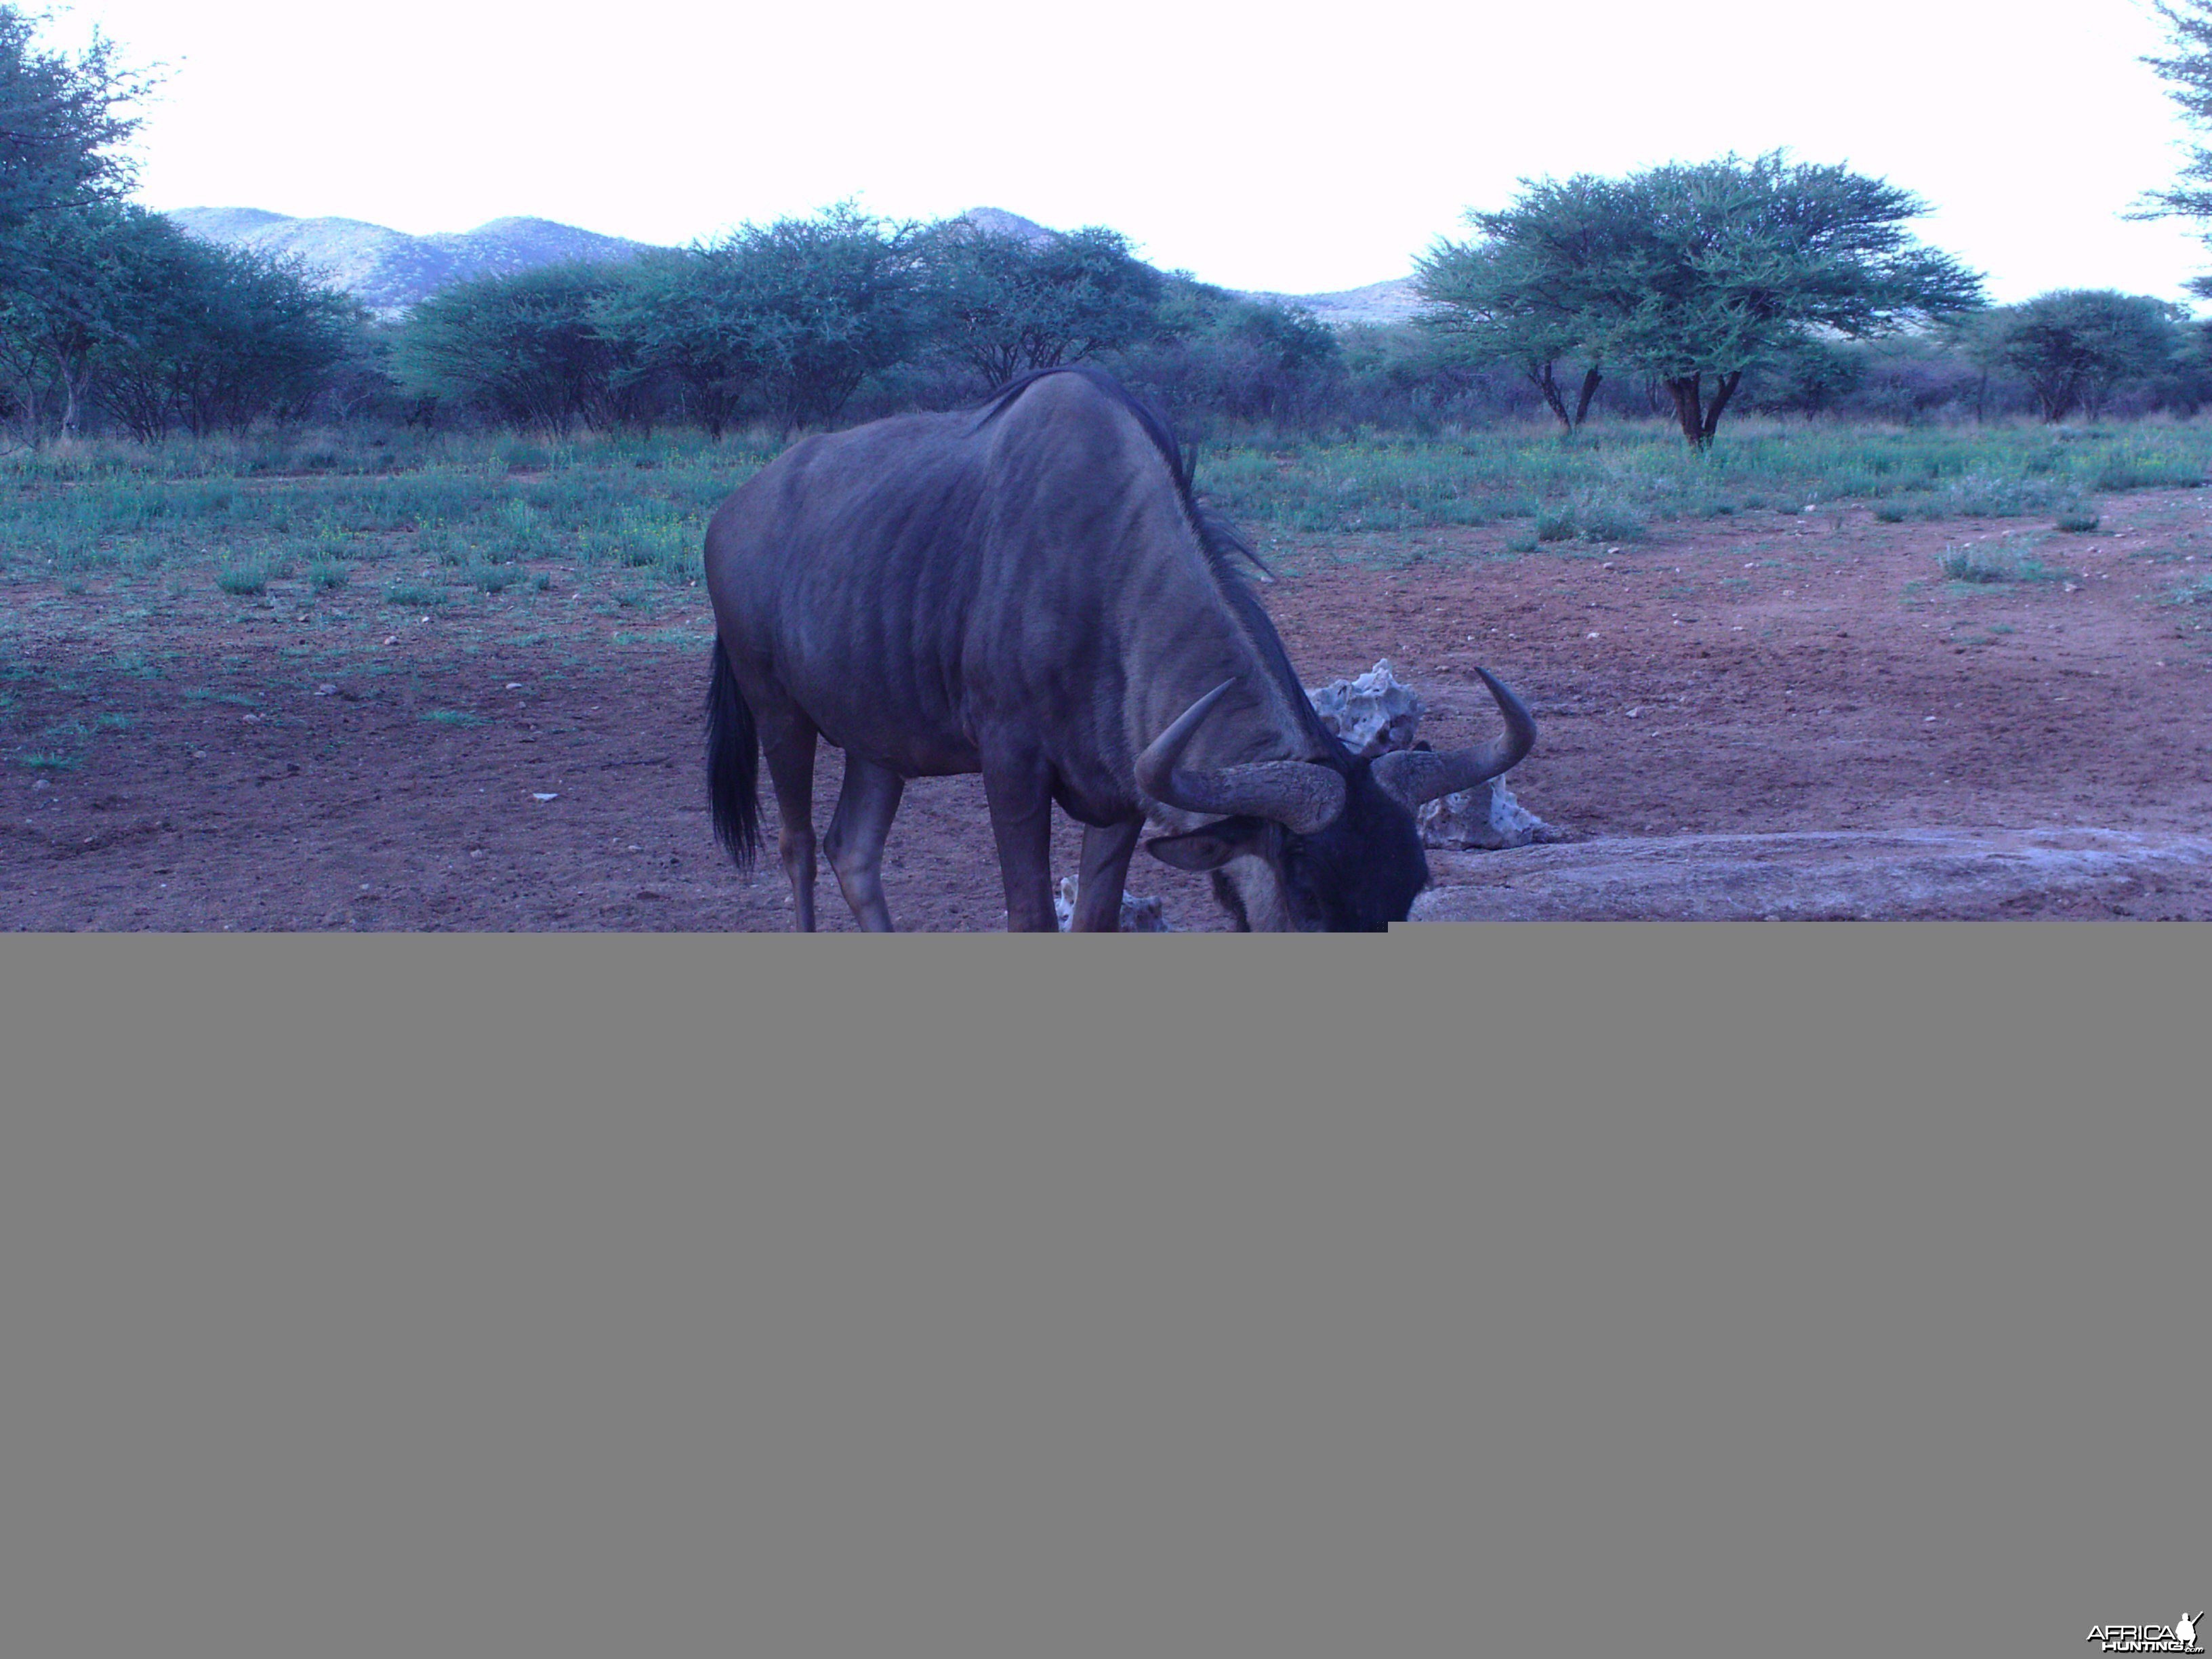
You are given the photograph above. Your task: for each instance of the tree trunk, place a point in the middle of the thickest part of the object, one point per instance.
(1540, 378)
(1722, 393)
(1688, 408)
(1590, 379)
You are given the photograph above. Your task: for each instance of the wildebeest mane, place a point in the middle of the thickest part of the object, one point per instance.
(1218, 540)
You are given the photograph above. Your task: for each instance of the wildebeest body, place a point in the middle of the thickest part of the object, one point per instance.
(1031, 593)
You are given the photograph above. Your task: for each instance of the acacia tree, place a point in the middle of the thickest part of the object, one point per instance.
(802, 311)
(526, 349)
(1691, 273)
(2075, 346)
(2186, 69)
(1498, 300)
(1006, 305)
(63, 122)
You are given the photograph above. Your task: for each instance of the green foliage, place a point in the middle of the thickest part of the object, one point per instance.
(1003, 304)
(64, 123)
(527, 348)
(1210, 351)
(125, 311)
(2186, 69)
(785, 319)
(2003, 561)
(1500, 300)
(1690, 273)
(2076, 345)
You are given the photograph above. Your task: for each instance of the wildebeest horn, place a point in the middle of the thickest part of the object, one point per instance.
(1300, 795)
(1416, 776)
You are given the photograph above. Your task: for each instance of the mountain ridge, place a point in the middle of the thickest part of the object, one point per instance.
(388, 270)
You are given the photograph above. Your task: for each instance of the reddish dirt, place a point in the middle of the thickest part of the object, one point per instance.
(1727, 678)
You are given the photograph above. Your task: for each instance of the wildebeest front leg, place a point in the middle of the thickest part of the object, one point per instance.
(865, 806)
(1105, 872)
(1019, 790)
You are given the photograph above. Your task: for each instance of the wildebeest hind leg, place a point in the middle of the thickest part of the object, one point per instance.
(1019, 790)
(865, 806)
(1105, 872)
(787, 743)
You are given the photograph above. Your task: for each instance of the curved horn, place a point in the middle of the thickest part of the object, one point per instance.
(1416, 776)
(1301, 796)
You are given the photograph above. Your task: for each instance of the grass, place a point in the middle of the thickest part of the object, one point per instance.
(453, 717)
(2001, 561)
(500, 512)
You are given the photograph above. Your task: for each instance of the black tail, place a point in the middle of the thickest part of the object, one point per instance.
(733, 764)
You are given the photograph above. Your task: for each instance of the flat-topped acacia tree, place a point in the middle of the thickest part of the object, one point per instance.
(1689, 273)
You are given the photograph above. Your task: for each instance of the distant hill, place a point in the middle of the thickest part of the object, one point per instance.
(389, 271)
(1392, 301)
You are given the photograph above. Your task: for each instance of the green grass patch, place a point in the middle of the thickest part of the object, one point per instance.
(452, 717)
(47, 761)
(1995, 561)
(414, 596)
(244, 580)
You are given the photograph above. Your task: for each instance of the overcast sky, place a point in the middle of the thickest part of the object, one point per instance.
(1260, 146)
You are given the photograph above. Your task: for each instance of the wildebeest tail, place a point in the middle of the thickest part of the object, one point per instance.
(732, 763)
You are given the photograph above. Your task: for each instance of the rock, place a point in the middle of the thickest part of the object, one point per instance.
(1484, 818)
(1139, 916)
(1373, 713)
(1377, 713)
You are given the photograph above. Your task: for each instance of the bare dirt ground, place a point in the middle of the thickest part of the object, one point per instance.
(1745, 718)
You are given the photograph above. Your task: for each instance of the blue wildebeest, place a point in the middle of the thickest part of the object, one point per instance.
(1031, 591)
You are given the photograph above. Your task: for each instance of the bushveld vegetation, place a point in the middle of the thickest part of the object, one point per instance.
(414, 519)
(113, 322)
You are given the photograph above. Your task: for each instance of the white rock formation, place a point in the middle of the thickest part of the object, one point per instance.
(1373, 713)
(1377, 713)
(1139, 916)
(1485, 818)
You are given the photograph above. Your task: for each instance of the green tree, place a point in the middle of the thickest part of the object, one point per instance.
(2076, 346)
(784, 320)
(2186, 69)
(529, 350)
(206, 338)
(1500, 301)
(1692, 273)
(813, 306)
(63, 122)
(1006, 305)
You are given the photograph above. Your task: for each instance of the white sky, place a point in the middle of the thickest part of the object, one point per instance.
(1289, 147)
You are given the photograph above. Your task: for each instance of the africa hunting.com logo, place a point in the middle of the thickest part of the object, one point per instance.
(2179, 1637)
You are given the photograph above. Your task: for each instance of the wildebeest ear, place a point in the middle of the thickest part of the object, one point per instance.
(1210, 846)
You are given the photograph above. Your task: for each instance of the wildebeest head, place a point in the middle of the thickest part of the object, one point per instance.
(1325, 845)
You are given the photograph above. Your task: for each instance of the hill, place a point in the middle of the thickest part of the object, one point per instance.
(389, 271)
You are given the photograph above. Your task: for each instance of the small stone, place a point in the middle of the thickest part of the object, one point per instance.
(326, 691)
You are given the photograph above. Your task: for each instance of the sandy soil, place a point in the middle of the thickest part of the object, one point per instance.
(1732, 715)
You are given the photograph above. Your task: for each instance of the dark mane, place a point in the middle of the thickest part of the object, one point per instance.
(1219, 540)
